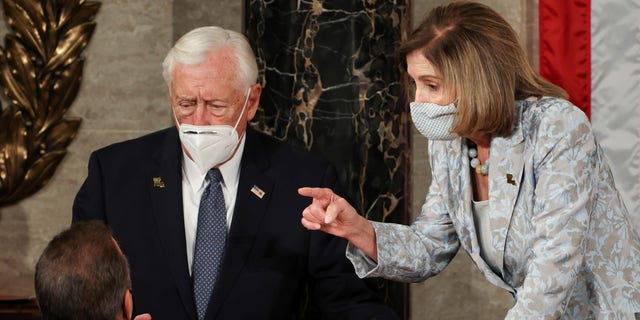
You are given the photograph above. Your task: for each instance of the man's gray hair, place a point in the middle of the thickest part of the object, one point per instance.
(194, 47)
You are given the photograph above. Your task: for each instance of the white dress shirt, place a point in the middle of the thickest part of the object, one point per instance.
(193, 185)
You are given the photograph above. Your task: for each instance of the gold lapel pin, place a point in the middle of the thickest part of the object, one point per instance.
(510, 179)
(157, 182)
(257, 191)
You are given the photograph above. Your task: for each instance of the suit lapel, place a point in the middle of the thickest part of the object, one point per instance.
(165, 188)
(253, 195)
(505, 178)
(464, 213)
(504, 184)
(461, 186)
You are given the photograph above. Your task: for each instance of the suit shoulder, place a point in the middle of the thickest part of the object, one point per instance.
(551, 107)
(281, 148)
(140, 144)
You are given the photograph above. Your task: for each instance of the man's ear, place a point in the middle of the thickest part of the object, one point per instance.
(127, 304)
(254, 101)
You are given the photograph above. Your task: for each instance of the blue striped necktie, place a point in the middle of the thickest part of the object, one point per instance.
(211, 237)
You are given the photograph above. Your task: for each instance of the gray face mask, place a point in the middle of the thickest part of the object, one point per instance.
(434, 121)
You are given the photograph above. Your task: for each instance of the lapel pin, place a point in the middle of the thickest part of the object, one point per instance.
(510, 179)
(157, 182)
(257, 191)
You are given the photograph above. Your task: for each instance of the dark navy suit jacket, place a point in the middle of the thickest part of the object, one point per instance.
(273, 267)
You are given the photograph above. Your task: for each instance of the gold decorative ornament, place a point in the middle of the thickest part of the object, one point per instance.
(157, 182)
(40, 72)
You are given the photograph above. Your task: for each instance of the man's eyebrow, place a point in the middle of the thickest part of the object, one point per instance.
(190, 99)
(216, 101)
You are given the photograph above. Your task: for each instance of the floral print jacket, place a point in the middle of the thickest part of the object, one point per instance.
(568, 247)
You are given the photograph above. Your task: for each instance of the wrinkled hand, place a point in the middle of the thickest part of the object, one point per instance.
(329, 212)
(334, 215)
(144, 316)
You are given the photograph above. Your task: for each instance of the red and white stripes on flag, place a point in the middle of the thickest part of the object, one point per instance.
(591, 48)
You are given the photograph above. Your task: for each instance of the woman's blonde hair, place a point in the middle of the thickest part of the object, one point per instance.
(479, 55)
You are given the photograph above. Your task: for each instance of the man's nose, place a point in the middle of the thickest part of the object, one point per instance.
(200, 116)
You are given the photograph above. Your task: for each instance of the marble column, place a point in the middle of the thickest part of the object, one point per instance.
(332, 85)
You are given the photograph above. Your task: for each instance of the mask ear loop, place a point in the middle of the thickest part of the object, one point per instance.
(173, 112)
(243, 108)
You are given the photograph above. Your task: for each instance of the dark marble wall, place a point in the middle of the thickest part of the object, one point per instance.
(333, 86)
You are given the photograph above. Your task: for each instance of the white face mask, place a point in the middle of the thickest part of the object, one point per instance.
(433, 120)
(210, 145)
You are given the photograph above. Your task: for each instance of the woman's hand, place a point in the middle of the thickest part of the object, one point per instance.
(332, 214)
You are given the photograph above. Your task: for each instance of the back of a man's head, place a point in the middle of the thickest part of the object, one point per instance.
(82, 274)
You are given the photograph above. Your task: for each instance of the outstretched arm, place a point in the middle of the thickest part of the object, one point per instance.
(332, 214)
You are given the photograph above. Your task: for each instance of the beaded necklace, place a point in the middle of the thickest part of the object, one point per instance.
(482, 169)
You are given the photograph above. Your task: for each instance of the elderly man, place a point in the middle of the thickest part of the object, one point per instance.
(207, 212)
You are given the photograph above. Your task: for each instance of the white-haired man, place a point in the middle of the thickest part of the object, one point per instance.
(259, 262)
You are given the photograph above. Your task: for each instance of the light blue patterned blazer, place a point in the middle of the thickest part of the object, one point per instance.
(567, 245)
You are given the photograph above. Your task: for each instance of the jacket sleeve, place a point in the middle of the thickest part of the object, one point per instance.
(423, 249)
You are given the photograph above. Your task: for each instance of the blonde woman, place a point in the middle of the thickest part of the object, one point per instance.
(518, 181)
